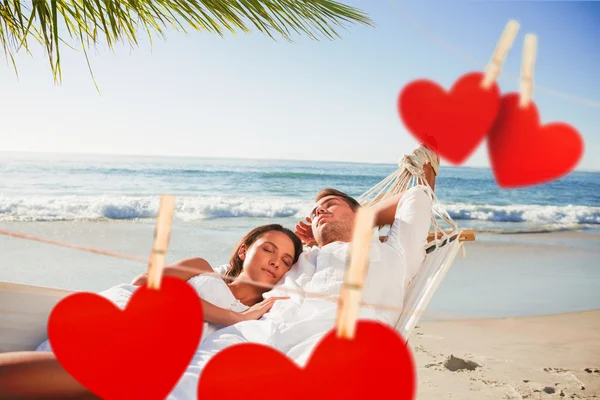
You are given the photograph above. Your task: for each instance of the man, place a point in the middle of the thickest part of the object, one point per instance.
(295, 326)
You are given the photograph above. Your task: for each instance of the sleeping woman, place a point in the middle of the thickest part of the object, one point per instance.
(264, 255)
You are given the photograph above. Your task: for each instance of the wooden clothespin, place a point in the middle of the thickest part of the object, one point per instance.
(504, 44)
(527, 65)
(352, 290)
(162, 235)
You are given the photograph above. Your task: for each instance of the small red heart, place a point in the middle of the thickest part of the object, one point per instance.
(523, 153)
(140, 352)
(375, 364)
(452, 123)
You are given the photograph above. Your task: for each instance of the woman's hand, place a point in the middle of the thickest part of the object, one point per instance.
(258, 310)
(305, 233)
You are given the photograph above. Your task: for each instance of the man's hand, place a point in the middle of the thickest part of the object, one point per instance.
(305, 233)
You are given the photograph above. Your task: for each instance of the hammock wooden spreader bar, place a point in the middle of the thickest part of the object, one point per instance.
(467, 235)
(463, 236)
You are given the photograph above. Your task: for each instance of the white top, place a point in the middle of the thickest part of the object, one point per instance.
(214, 290)
(209, 288)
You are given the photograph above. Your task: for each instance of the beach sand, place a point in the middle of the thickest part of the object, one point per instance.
(516, 276)
(543, 357)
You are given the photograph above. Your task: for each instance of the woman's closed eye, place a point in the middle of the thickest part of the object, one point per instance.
(286, 259)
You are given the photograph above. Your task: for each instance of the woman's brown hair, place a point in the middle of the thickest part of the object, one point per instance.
(236, 264)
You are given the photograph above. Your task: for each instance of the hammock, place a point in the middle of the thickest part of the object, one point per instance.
(441, 249)
(24, 309)
(24, 312)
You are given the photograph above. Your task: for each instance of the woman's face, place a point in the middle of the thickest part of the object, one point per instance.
(268, 258)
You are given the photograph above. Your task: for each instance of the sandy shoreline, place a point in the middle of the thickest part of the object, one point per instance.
(519, 358)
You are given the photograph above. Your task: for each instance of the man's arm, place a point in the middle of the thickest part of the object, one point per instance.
(408, 234)
(385, 211)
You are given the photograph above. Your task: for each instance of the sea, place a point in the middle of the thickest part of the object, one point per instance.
(537, 249)
(51, 187)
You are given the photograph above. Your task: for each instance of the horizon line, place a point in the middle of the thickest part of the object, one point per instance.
(242, 158)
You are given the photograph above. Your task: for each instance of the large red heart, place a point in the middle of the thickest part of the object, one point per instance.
(452, 123)
(523, 153)
(375, 364)
(140, 352)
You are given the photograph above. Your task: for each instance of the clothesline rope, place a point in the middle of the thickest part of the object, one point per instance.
(73, 246)
(332, 298)
(482, 322)
(478, 63)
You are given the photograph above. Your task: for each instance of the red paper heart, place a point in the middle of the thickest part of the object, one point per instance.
(375, 364)
(523, 153)
(452, 123)
(140, 352)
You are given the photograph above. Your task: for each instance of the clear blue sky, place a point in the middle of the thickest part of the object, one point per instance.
(249, 96)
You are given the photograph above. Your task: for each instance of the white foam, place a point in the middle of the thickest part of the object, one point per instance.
(191, 208)
(188, 208)
(565, 215)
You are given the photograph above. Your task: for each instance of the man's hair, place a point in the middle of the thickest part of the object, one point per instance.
(354, 205)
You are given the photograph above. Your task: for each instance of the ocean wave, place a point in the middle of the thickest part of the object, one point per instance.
(188, 208)
(563, 215)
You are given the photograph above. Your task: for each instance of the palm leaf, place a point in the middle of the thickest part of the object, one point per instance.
(110, 21)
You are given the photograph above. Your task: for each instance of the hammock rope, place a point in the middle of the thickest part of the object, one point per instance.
(419, 291)
(410, 173)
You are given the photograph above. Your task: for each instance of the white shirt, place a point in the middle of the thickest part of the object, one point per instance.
(392, 266)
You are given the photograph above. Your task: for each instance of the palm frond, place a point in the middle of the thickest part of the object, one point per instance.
(91, 22)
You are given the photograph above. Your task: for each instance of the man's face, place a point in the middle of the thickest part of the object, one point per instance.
(332, 220)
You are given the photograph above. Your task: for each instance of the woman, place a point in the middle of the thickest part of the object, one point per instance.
(264, 255)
